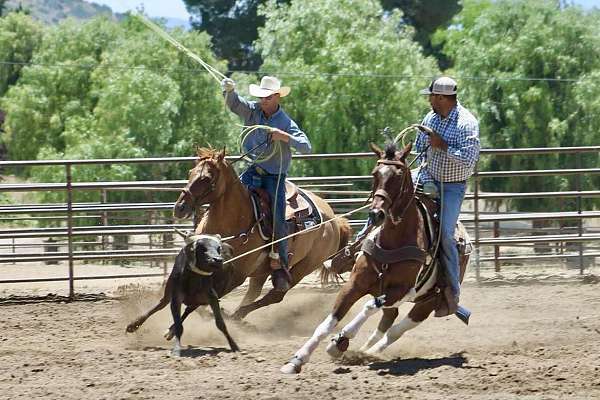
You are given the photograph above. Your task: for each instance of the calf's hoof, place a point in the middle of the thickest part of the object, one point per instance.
(169, 333)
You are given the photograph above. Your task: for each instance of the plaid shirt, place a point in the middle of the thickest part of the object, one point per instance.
(460, 130)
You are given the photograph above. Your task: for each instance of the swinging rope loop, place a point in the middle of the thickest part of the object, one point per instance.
(217, 76)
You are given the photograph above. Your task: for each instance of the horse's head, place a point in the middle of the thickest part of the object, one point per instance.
(206, 182)
(392, 184)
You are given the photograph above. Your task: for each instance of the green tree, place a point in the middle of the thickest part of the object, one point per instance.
(356, 77)
(234, 24)
(426, 16)
(19, 38)
(531, 67)
(115, 90)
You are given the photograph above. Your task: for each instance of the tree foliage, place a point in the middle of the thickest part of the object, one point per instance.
(114, 90)
(19, 38)
(345, 85)
(426, 16)
(234, 24)
(498, 46)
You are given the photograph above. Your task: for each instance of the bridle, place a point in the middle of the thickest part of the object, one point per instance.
(403, 191)
(199, 177)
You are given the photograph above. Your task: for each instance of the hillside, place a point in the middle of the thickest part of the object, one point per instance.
(53, 11)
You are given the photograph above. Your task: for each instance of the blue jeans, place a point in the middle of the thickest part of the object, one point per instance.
(452, 198)
(252, 179)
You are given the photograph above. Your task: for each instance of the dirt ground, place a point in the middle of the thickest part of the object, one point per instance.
(526, 340)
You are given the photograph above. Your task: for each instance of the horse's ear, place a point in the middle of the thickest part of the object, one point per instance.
(378, 152)
(406, 151)
(221, 155)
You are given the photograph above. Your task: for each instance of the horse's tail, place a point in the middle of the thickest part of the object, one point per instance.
(326, 274)
(345, 232)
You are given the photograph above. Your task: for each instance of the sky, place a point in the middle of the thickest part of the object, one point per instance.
(176, 8)
(154, 8)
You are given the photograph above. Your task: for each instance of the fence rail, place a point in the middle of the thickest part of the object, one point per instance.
(479, 222)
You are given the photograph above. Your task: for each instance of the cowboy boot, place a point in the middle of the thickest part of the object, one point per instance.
(449, 303)
(280, 275)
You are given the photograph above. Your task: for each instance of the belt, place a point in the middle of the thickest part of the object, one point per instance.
(463, 182)
(260, 171)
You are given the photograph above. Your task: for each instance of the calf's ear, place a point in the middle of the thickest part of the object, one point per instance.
(226, 251)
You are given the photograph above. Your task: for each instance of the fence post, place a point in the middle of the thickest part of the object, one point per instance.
(579, 207)
(476, 215)
(70, 228)
(103, 201)
(496, 247)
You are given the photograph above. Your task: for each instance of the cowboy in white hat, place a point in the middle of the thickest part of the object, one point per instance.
(269, 174)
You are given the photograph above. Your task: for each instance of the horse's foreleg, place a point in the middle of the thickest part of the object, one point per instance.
(339, 344)
(272, 297)
(387, 319)
(254, 288)
(417, 314)
(347, 296)
(393, 297)
(213, 300)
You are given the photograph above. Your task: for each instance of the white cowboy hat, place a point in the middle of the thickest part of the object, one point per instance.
(268, 85)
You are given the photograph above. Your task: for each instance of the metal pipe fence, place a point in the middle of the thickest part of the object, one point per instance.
(332, 188)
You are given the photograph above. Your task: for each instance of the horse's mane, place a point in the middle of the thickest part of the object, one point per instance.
(205, 152)
(391, 151)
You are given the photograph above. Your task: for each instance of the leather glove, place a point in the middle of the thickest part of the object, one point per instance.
(228, 85)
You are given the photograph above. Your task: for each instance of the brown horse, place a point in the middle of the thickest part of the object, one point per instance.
(213, 181)
(402, 239)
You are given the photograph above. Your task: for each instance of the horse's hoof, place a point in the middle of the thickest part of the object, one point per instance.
(294, 366)
(290, 369)
(169, 333)
(338, 345)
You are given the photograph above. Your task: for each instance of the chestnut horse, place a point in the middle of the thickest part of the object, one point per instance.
(403, 238)
(213, 181)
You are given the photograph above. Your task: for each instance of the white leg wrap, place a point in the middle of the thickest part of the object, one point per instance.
(353, 326)
(393, 334)
(375, 336)
(324, 329)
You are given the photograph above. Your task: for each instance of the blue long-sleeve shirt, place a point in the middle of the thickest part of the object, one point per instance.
(252, 114)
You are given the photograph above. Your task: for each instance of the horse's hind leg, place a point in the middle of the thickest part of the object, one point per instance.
(417, 314)
(387, 319)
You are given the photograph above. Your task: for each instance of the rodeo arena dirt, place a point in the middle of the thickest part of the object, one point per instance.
(533, 334)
